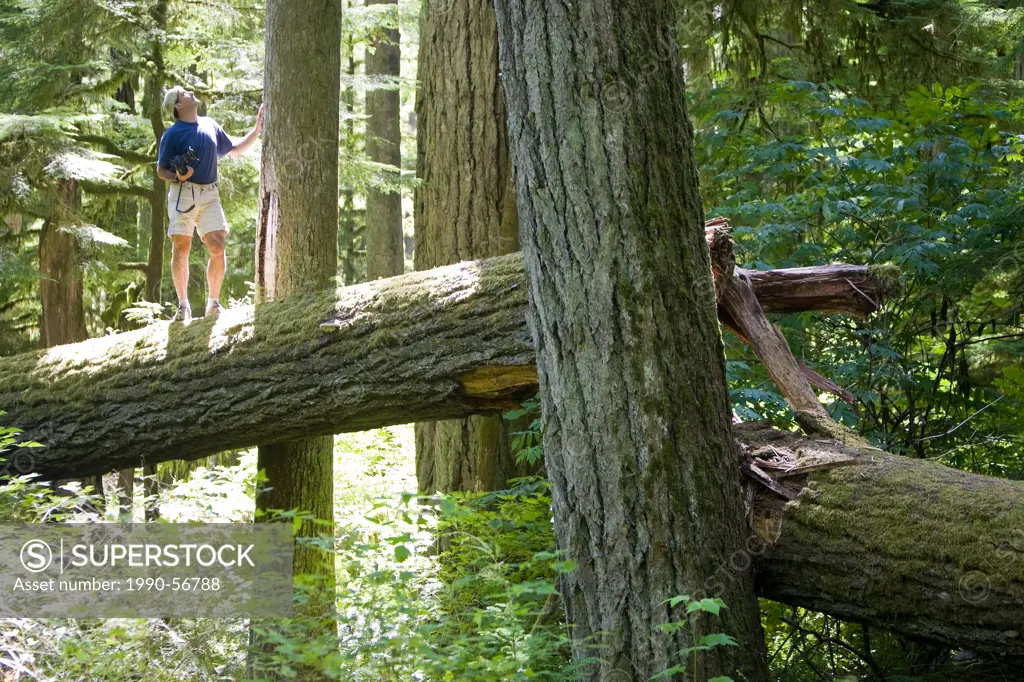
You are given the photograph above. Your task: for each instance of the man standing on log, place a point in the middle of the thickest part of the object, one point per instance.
(189, 150)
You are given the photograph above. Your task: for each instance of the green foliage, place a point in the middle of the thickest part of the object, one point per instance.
(498, 569)
(932, 187)
(453, 591)
(212, 494)
(878, 50)
(154, 650)
(527, 444)
(712, 606)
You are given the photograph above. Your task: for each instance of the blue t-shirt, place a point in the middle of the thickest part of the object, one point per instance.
(208, 140)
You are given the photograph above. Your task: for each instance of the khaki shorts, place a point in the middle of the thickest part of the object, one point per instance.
(206, 217)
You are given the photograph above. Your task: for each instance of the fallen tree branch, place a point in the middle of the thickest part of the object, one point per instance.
(741, 310)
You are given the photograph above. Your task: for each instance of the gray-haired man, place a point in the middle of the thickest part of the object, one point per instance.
(192, 200)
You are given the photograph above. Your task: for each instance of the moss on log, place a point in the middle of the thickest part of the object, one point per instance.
(906, 544)
(393, 351)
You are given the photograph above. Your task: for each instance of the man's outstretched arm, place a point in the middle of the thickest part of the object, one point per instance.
(247, 141)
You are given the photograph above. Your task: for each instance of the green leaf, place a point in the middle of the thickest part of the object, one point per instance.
(712, 606)
(675, 601)
(718, 639)
(674, 670)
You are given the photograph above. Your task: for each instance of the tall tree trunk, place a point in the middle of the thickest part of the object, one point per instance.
(465, 209)
(385, 246)
(151, 105)
(60, 282)
(152, 100)
(347, 223)
(60, 286)
(637, 442)
(297, 246)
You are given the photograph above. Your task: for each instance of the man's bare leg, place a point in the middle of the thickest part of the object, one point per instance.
(215, 269)
(180, 247)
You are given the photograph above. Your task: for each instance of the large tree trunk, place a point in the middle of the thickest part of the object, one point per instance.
(454, 342)
(637, 440)
(465, 209)
(152, 101)
(60, 271)
(297, 250)
(60, 282)
(385, 244)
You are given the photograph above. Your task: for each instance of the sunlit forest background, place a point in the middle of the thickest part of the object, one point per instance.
(885, 133)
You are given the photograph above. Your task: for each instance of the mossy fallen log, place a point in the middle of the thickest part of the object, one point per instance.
(438, 344)
(902, 544)
(905, 544)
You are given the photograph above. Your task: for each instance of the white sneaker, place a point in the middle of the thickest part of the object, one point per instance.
(184, 314)
(213, 310)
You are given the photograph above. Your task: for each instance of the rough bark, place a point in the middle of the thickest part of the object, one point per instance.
(152, 99)
(385, 244)
(297, 255)
(60, 283)
(637, 438)
(836, 288)
(297, 250)
(894, 540)
(60, 271)
(465, 209)
(465, 206)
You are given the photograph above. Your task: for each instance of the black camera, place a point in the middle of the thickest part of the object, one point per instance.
(179, 163)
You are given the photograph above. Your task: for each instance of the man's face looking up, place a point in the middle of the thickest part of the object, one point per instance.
(187, 103)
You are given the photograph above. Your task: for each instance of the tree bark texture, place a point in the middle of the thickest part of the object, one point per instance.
(297, 240)
(465, 209)
(385, 243)
(60, 270)
(151, 104)
(297, 249)
(903, 544)
(60, 283)
(630, 360)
